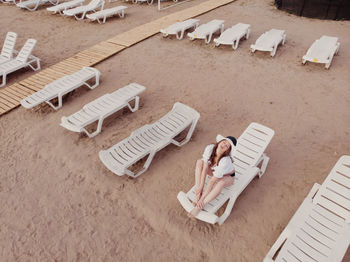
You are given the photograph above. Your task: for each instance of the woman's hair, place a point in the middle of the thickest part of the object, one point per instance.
(213, 154)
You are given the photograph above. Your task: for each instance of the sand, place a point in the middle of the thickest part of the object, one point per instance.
(58, 201)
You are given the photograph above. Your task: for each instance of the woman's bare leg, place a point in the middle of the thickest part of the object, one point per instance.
(224, 182)
(199, 178)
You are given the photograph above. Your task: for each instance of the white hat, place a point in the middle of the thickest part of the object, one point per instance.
(231, 140)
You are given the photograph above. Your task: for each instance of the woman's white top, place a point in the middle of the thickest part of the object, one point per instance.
(225, 165)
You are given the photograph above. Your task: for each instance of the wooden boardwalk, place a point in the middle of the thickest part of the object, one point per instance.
(11, 96)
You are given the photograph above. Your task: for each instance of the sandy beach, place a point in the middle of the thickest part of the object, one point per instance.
(60, 203)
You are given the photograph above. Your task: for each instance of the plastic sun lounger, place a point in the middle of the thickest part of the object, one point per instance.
(249, 154)
(103, 107)
(322, 51)
(64, 6)
(33, 5)
(149, 2)
(102, 15)
(23, 59)
(8, 47)
(207, 30)
(84, 9)
(269, 41)
(320, 228)
(233, 35)
(149, 139)
(62, 86)
(179, 28)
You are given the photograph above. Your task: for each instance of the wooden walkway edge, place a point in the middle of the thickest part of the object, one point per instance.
(11, 96)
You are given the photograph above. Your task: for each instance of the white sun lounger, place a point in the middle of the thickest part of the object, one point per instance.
(64, 6)
(23, 59)
(248, 155)
(179, 28)
(80, 11)
(207, 30)
(102, 15)
(8, 47)
(233, 35)
(149, 139)
(103, 107)
(62, 86)
(322, 51)
(33, 5)
(320, 229)
(269, 41)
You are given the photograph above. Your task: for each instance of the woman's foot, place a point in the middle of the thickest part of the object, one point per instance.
(194, 212)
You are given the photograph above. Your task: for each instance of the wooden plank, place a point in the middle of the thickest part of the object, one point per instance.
(14, 95)
(30, 85)
(22, 89)
(5, 104)
(5, 96)
(17, 89)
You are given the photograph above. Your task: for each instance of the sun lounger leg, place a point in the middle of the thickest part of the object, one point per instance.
(37, 61)
(97, 82)
(59, 97)
(3, 80)
(337, 51)
(265, 160)
(208, 38)
(189, 135)
(145, 166)
(273, 52)
(181, 35)
(248, 34)
(235, 44)
(284, 39)
(136, 106)
(121, 14)
(81, 17)
(98, 129)
(228, 210)
(149, 2)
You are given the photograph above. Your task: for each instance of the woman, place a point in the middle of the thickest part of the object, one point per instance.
(217, 162)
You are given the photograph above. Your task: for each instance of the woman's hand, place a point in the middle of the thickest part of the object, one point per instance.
(200, 204)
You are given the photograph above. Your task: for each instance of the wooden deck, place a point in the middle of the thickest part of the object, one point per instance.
(11, 96)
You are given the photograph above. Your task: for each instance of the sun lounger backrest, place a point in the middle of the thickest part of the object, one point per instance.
(252, 144)
(26, 51)
(334, 194)
(93, 4)
(9, 45)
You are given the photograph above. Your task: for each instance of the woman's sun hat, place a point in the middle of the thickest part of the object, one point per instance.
(231, 140)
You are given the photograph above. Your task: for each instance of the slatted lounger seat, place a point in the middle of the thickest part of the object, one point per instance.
(64, 6)
(8, 47)
(207, 30)
(233, 35)
(320, 229)
(23, 59)
(103, 107)
(33, 5)
(62, 86)
(322, 51)
(248, 155)
(179, 28)
(269, 41)
(102, 15)
(149, 139)
(80, 12)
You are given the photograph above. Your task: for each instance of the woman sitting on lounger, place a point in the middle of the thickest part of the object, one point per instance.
(217, 162)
